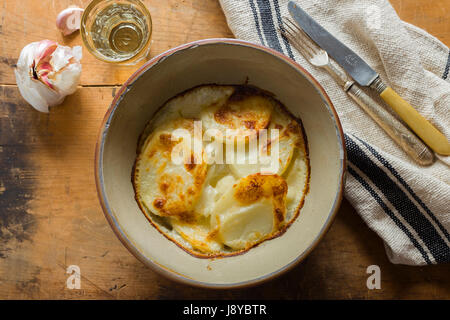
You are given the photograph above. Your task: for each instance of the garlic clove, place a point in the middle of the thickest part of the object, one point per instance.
(68, 80)
(69, 20)
(41, 66)
(47, 72)
(45, 48)
(30, 94)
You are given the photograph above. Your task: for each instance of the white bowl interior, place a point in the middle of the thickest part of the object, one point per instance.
(222, 63)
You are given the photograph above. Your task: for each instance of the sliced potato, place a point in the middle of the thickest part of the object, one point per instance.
(296, 179)
(239, 117)
(241, 228)
(165, 187)
(251, 211)
(198, 235)
(271, 158)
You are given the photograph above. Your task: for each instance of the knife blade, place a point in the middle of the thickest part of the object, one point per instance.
(356, 67)
(365, 76)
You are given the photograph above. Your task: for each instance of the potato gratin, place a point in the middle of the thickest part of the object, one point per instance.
(212, 204)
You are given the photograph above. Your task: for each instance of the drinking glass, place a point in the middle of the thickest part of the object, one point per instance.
(117, 31)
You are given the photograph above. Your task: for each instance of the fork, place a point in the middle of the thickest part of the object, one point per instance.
(398, 132)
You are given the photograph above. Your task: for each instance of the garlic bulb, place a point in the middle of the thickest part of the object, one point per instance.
(69, 20)
(46, 73)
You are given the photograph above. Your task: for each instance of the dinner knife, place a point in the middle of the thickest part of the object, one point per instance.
(365, 76)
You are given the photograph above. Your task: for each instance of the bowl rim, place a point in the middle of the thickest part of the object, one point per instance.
(154, 265)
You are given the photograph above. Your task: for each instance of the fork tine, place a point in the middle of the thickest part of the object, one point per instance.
(296, 27)
(291, 30)
(298, 46)
(299, 33)
(291, 35)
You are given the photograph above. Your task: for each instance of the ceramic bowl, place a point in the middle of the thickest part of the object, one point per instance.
(219, 61)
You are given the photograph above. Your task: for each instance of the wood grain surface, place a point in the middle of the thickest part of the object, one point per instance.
(50, 216)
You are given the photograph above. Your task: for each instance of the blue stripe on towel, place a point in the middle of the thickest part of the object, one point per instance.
(406, 186)
(270, 33)
(412, 215)
(280, 25)
(389, 213)
(255, 16)
(447, 68)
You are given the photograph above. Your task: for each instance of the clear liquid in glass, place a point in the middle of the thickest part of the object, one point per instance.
(120, 32)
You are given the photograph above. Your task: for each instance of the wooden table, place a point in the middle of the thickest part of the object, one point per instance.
(49, 213)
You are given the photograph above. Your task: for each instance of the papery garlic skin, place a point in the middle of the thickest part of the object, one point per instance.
(69, 20)
(46, 73)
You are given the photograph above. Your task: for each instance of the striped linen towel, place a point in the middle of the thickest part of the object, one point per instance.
(406, 205)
